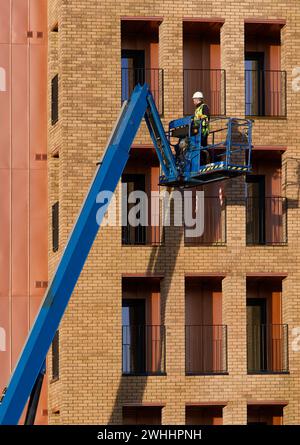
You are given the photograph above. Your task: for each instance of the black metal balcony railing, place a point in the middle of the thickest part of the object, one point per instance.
(142, 236)
(154, 77)
(267, 348)
(266, 220)
(265, 93)
(143, 349)
(206, 349)
(213, 85)
(214, 223)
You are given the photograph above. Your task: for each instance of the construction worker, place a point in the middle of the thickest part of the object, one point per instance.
(201, 117)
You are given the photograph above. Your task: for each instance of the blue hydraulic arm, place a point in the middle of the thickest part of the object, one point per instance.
(160, 141)
(108, 173)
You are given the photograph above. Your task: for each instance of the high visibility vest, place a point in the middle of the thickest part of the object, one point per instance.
(204, 118)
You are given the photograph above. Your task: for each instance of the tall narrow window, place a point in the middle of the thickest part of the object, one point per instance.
(55, 226)
(134, 336)
(255, 84)
(256, 227)
(133, 234)
(205, 335)
(133, 70)
(55, 356)
(256, 337)
(54, 99)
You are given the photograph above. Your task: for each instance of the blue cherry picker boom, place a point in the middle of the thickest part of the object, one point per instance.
(180, 153)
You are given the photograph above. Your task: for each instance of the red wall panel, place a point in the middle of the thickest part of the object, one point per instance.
(20, 21)
(38, 224)
(35, 302)
(38, 21)
(203, 303)
(19, 224)
(5, 101)
(19, 122)
(4, 232)
(42, 412)
(5, 355)
(19, 320)
(202, 54)
(4, 21)
(38, 103)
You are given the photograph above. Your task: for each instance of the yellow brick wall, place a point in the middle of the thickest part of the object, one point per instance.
(86, 54)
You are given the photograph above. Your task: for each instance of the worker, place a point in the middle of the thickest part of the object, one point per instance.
(201, 117)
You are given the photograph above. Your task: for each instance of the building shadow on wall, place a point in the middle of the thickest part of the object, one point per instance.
(162, 262)
(292, 185)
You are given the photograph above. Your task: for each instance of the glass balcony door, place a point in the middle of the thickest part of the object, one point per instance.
(133, 70)
(255, 218)
(257, 342)
(133, 234)
(134, 341)
(254, 84)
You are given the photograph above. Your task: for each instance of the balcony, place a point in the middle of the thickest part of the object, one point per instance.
(267, 348)
(212, 83)
(154, 77)
(206, 349)
(143, 349)
(142, 236)
(143, 227)
(214, 223)
(265, 93)
(266, 220)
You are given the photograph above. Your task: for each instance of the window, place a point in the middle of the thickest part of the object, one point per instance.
(267, 336)
(55, 356)
(134, 234)
(54, 99)
(55, 226)
(140, 59)
(54, 28)
(143, 335)
(257, 341)
(205, 335)
(133, 70)
(265, 82)
(255, 209)
(266, 208)
(134, 336)
(255, 84)
(202, 66)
